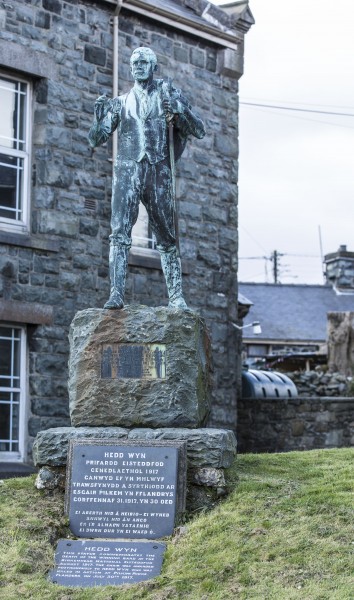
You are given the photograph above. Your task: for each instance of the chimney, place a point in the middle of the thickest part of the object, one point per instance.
(339, 269)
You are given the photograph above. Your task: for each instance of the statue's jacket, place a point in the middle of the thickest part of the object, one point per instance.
(145, 133)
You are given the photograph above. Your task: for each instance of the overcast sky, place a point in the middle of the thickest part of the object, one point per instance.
(296, 168)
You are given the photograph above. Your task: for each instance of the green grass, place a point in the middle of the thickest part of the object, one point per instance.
(285, 532)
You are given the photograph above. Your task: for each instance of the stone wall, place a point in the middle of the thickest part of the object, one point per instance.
(273, 425)
(65, 50)
(321, 383)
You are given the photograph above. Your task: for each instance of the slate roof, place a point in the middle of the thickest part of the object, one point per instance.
(180, 10)
(292, 312)
(202, 12)
(240, 13)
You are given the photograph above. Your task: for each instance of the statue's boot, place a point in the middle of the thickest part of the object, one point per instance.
(171, 266)
(118, 260)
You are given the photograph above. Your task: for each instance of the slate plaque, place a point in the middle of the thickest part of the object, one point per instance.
(125, 489)
(87, 563)
(133, 361)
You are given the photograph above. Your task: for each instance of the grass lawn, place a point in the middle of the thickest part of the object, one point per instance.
(285, 531)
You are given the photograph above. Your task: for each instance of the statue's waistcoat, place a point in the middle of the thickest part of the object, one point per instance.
(142, 135)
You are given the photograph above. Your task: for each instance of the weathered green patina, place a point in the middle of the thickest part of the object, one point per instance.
(143, 171)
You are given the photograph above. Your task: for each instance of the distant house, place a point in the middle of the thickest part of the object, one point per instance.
(293, 317)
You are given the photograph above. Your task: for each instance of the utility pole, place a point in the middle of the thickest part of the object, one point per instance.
(275, 260)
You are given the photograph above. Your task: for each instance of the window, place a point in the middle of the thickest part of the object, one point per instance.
(142, 236)
(12, 392)
(255, 350)
(14, 153)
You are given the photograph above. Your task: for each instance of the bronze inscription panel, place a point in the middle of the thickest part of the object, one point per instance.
(133, 361)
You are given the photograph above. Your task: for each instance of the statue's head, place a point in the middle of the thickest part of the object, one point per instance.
(143, 63)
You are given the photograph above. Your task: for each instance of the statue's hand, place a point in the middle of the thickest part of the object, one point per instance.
(171, 108)
(102, 106)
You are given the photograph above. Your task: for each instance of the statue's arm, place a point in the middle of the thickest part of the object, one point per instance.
(106, 120)
(186, 121)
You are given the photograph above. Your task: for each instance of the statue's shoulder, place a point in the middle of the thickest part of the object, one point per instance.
(120, 101)
(123, 97)
(163, 85)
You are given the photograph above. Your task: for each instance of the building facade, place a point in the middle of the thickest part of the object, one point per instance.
(56, 58)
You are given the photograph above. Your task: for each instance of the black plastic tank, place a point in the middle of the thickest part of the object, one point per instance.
(267, 384)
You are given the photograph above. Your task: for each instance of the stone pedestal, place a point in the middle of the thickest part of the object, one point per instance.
(139, 366)
(209, 452)
(141, 373)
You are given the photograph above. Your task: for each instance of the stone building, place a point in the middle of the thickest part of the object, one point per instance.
(56, 57)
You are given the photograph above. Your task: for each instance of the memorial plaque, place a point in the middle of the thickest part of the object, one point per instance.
(88, 563)
(125, 489)
(133, 361)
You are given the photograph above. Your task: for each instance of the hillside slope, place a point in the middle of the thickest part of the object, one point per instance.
(285, 532)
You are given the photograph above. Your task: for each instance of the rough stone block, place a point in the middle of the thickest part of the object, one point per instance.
(197, 57)
(139, 366)
(95, 55)
(181, 54)
(51, 446)
(206, 447)
(57, 223)
(52, 6)
(209, 476)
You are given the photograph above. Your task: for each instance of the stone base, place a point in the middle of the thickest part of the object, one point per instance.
(209, 452)
(139, 366)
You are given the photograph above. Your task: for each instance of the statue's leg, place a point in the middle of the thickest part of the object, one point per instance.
(125, 209)
(118, 260)
(171, 266)
(158, 202)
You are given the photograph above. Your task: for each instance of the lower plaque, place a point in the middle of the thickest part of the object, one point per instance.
(123, 490)
(88, 563)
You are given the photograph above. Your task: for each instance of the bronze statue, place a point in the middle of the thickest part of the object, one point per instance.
(146, 118)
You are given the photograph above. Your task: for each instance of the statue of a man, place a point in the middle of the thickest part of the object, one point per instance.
(142, 171)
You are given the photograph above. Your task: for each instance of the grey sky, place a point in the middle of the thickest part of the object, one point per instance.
(296, 169)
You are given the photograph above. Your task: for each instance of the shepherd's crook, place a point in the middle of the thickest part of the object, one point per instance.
(170, 117)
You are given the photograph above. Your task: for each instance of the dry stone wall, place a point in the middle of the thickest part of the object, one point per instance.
(321, 383)
(273, 425)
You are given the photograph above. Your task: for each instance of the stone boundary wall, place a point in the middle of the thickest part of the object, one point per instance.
(320, 383)
(273, 425)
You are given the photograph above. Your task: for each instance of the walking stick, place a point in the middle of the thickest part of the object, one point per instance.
(169, 118)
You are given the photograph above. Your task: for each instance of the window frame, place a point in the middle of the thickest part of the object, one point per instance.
(20, 455)
(149, 239)
(21, 225)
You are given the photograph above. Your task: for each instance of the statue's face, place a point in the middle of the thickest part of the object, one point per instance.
(141, 66)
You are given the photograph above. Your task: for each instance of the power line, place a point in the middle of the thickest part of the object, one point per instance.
(252, 238)
(277, 268)
(307, 110)
(252, 257)
(298, 117)
(287, 102)
(283, 254)
(303, 255)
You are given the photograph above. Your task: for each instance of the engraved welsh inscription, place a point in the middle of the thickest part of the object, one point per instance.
(87, 563)
(133, 361)
(122, 491)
